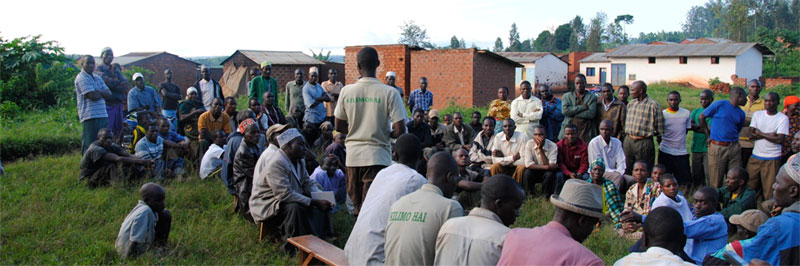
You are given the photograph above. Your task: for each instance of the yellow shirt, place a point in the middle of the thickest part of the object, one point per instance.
(499, 109)
(749, 109)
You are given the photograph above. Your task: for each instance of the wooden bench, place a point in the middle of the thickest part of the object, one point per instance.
(314, 250)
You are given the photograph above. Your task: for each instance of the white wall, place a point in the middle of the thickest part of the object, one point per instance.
(596, 78)
(749, 64)
(552, 71)
(697, 70)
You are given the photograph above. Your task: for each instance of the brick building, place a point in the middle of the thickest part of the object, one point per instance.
(236, 68)
(465, 77)
(184, 72)
(574, 60)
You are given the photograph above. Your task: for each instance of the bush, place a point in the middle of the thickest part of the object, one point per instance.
(54, 131)
(8, 110)
(128, 74)
(28, 65)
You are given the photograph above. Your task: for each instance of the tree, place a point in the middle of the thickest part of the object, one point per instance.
(544, 42)
(498, 45)
(624, 19)
(513, 39)
(526, 46)
(594, 37)
(463, 43)
(27, 65)
(736, 20)
(413, 35)
(320, 56)
(455, 43)
(664, 36)
(576, 39)
(561, 37)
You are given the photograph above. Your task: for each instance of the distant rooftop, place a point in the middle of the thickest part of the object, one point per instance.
(715, 49)
(278, 57)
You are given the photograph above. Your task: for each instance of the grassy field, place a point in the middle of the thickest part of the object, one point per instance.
(49, 217)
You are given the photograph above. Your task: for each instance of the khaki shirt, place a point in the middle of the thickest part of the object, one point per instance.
(532, 157)
(368, 106)
(414, 221)
(476, 239)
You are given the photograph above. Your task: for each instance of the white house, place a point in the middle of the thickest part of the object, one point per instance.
(595, 67)
(539, 68)
(692, 63)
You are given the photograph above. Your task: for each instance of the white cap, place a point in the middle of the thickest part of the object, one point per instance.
(287, 136)
(137, 75)
(391, 74)
(313, 70)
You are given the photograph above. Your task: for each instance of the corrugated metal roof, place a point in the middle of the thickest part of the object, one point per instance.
(671, 50)
(595, 58)
(134, 57)
(524, 57)
(279, 57)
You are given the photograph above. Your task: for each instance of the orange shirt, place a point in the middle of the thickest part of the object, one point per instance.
(208, 122)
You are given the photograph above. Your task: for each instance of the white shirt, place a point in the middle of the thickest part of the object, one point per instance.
(365, 245)
(207, 91)
(211, 160)
(531, 110)
(673, 141)
(654, 256)
(476, 239)
(509, 148)
(532, 157)
(612, 153)
(777, 123)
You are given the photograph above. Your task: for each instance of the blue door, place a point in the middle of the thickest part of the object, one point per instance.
(603, 74)
(618, 74)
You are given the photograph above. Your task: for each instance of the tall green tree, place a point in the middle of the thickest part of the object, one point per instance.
(624, 20)
(544, 42)
(455, 43)
(576, 39)
(513, 39)
(561, 37)
(412, 34)
(498, 45)
(595, 35)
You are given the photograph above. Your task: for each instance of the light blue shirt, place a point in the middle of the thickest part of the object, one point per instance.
(148, 150)
(143, 97)
(707, 235)
(140, 227)
(317, 113)
(87, 108)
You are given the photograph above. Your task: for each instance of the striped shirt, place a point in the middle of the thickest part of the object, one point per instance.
(88, 108)
(644, 118)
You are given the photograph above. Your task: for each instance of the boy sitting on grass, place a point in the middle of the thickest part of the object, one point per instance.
(146, 224)
(99, 163)
(331, 178)
(211, 165)
(152, 148)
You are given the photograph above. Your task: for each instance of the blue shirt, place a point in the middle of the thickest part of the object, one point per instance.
(143, 97)
(88, 108)
(317, 113)
(336, 183)
(706, 235)
(116, 83)
(148, 150)
(421, 100)
(552, 118)
(727, 121)
(779, 234)
(172, 136)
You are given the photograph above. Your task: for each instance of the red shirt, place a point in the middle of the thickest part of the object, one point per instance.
(573, 158)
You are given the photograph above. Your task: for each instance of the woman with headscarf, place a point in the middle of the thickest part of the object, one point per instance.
(612, 201)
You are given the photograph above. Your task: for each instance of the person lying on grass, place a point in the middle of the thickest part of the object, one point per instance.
(99, 163)
(147, 224)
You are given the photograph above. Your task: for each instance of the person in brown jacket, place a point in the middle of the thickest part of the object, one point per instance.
(613, 109)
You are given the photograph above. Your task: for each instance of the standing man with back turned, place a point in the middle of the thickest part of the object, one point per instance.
(363, 111)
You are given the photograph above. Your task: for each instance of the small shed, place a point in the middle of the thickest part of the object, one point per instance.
(236, 68)
(184, 72)
(539, 67)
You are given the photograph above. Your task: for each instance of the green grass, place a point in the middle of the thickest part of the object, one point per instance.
(52, 131)
(49, 217)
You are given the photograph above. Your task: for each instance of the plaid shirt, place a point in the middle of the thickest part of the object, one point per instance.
(612, 200)
(421, 100)
(644, 118)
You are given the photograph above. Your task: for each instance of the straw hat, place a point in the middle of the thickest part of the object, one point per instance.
(749, 219)
(580, 197)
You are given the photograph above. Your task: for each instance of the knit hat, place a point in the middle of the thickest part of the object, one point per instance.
(749, 219)
(266, 63)
(244, 124)
(391, 74)
(287, 136)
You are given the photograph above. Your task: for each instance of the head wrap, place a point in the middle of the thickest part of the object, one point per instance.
(789, 100)
(265, 63)
(287, 136)
(391, 74)
(191, 89)
(599, 162)
(313, 70)
(792, 168)
(244, 124)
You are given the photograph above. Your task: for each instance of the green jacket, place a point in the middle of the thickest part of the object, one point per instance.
(258, 86)
(745, 201)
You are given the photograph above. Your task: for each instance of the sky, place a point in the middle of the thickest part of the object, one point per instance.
(219, 28)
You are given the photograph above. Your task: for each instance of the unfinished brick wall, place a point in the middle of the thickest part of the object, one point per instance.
(285, 73)
(766, 83)
(449, 73)
(491, 73)
(340, 71)
(394, 57)
(184, 72)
